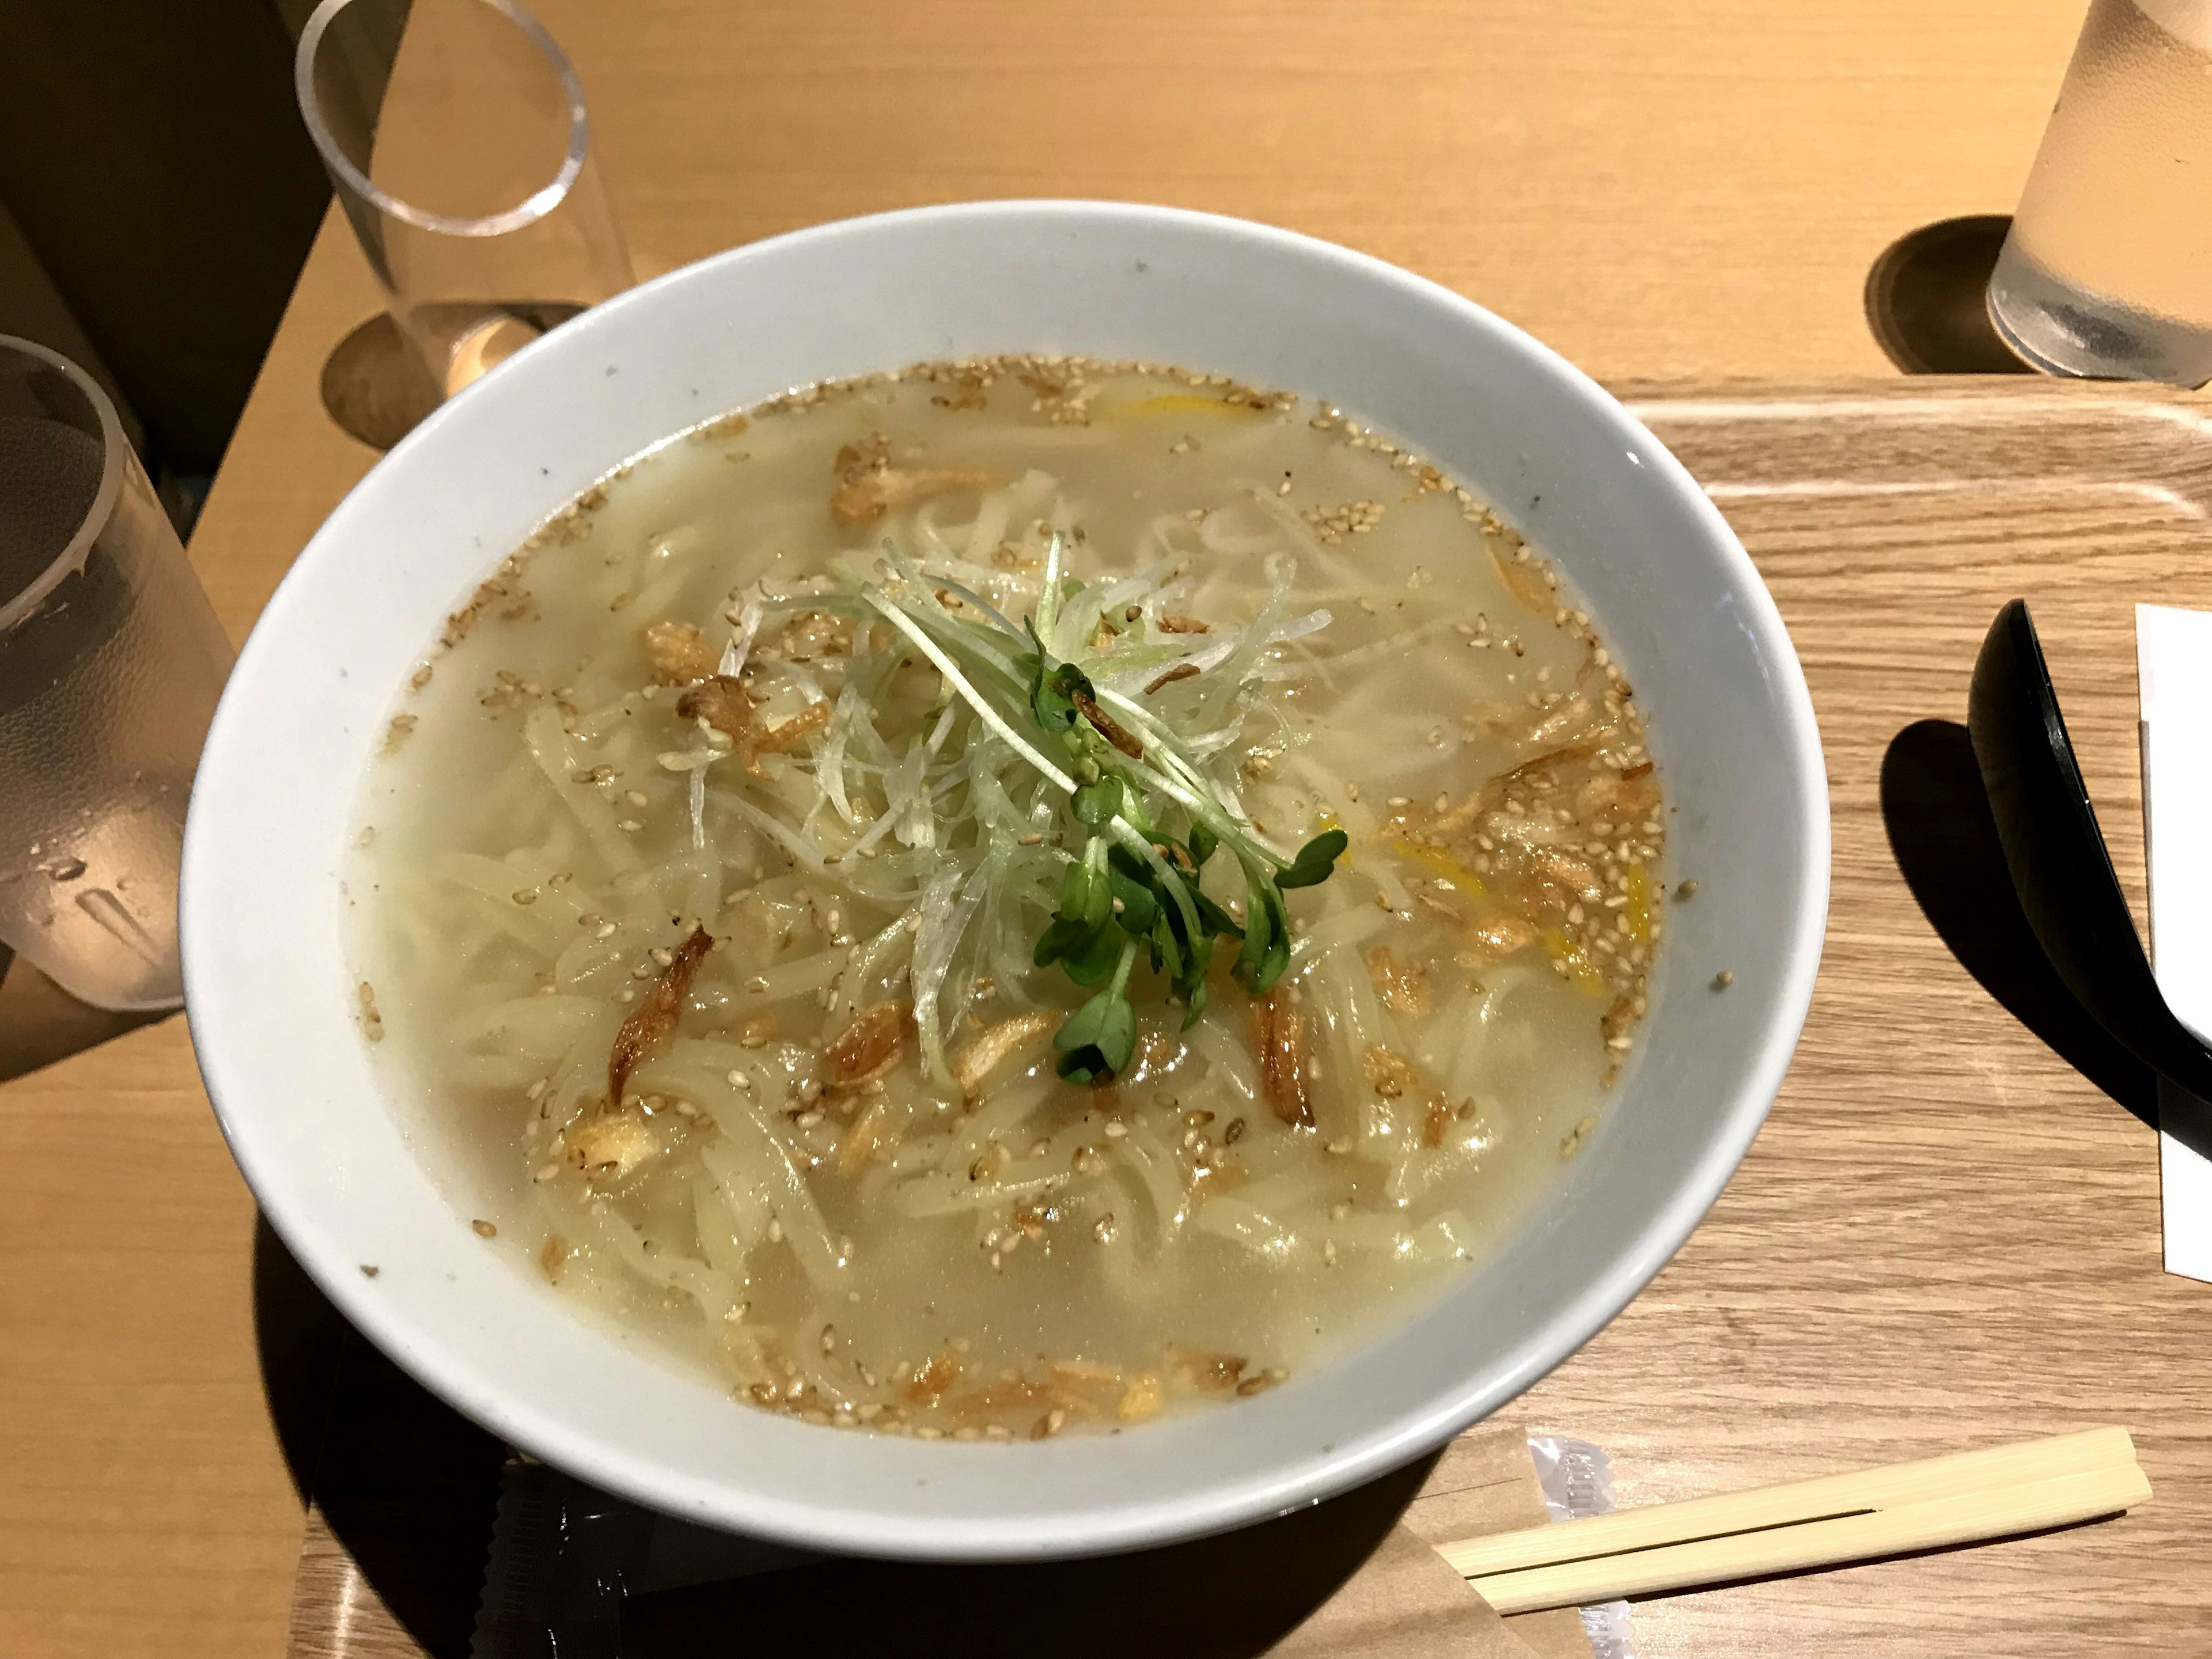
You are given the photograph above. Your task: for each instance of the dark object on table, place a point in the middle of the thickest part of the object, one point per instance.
(1925, 304)
(2061, 868)
(1946, 844)
(1231, 1596)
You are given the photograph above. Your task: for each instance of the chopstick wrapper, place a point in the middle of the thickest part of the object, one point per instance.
(1485, 1482)
(2173, 664)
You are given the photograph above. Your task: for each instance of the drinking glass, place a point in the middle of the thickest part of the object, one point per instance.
(455, 135)
(110, 659)
(2104, 271)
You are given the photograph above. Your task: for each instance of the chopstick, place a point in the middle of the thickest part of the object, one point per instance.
(1960, 1499)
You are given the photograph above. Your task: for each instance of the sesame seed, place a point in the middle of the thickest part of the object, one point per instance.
(1722, 980)
(485, 1228)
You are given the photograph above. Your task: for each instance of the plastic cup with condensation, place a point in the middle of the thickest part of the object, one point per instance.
(111, 662)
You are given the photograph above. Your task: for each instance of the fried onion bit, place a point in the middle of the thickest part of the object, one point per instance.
(678, 651)
(721, 702)
(655, 1021)
(870, 1046)
(1280, 1031)
(1108, 727)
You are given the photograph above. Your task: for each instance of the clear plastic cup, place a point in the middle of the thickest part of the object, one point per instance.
(111, 660)
(455, 134)
(2104, 271)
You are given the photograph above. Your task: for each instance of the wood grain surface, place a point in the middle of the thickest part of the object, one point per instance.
(1680, 188)
(1945, 1235)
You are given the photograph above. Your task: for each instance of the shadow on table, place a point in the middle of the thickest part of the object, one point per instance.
(1230, 1597)
(404, 1482)
(40, 1023)
(1945, 840)
(409, 1488)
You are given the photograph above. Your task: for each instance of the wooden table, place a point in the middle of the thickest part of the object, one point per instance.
(1677, 188)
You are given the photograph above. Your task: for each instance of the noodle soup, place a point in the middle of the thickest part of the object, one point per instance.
(1011, 897)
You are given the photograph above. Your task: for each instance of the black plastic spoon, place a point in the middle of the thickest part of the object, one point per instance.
(2062, 870)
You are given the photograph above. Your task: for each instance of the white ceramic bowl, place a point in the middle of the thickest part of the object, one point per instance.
(1676, 597)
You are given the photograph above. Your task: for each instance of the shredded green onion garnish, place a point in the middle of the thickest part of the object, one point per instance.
(1150, 817)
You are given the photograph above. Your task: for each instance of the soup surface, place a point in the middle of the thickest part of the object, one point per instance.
(1009, 897)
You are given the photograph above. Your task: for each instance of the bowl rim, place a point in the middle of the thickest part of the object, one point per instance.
(823, 1522)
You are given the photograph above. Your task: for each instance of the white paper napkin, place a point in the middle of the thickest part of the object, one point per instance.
(2173, 663)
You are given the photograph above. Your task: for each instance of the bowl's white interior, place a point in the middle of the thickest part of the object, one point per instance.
(1672, 589)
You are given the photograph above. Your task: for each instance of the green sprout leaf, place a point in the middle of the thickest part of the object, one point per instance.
(1098, 1039)
(1084, 895)
(1167, 951)
(1060, 940)
(1051, 698)
(1258, 934)
(1092, 960)
(1191, 986)
(1096, 804)
(1315, 861)
(1138, 905)
(1202, 842)
(1216, 920)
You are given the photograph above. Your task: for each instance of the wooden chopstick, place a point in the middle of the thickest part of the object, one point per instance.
(1938, 1501)
(1819, 1499)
